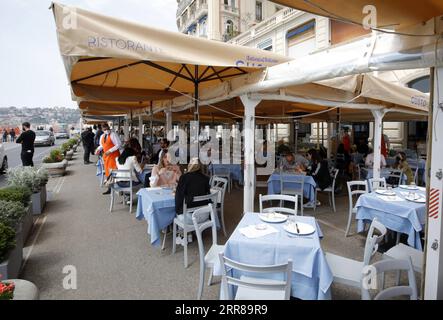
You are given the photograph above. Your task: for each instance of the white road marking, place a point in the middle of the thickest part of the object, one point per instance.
(34, 241)
(59, 185)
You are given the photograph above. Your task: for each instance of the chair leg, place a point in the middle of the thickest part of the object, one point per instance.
(201, 283)
(130, 202)
(185, 246)
(333, 200)
(398, 238)
(112, 200)
(164, 238)
(349, 223)
(210, 277)
(222, 218)
(174, 237)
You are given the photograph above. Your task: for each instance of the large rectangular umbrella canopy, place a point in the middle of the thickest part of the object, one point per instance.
(395, 14)
(113, 60)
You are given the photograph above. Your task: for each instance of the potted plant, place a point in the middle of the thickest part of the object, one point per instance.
(30, 178)
(73, 142)
(55, 163)
(11, 254)
(6, 290)
(11, 215)
(43, 177)
(67, 151)
(22, 196)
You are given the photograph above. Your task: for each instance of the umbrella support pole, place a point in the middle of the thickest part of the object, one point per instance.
(249, 148)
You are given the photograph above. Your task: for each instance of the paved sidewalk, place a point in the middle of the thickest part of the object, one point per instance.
(111, 252)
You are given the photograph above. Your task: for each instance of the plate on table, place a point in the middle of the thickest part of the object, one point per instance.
(273, 217)
(416, 198)
(299, 228)
(385, 192)
(404, 186)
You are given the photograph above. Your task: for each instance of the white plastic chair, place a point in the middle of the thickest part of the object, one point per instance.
(211, 257)
(223, 172)
(380, 268)
(220, 184)
(184, 221)
(397, 176)
(281, 198)
(349, 272)
(255, 288)
(123, 176)
(293, 187)
(404, 252)
(351, 194)
(330, 190)
(377, 183)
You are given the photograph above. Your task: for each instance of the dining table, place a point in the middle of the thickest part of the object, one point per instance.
(274, 185)
(311, 275)
(157, 207)
(403, 212)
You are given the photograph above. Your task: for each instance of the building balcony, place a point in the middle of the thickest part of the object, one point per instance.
(229, 9)
(271, 23)
(229, 35)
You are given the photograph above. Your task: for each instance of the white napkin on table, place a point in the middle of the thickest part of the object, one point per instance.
(252, 232)
(390, 198)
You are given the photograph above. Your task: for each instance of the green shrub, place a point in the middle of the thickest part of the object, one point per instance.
(19, 194)
(56, 155)
(72, 142)
(25, 177)
(43, 176)
(7, 240)
(11, 212)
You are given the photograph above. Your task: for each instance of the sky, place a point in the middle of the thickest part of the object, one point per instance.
(31, 70)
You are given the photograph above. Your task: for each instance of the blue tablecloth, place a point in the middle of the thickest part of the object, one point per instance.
(402, 216)
(235, 170)
(311, 276)
(157, 207)
(309, 186)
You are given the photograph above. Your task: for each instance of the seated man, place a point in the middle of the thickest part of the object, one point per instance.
(291, 162)
(369, 162)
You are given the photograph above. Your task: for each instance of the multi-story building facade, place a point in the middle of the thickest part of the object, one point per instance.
(265, 25)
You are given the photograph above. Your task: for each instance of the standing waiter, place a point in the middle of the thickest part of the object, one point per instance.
(110, 144)
(27, 140)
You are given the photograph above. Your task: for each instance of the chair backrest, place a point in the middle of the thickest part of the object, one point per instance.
(373, 240)
(219, 184)
(281, 198)
(291, 184)
(395, 177)
(334, 173)
(352, 192)
(416, 176)
(396, 265)
(121, 175)
(202, 215)
(377, 183)
(212, 197)
(255, 283)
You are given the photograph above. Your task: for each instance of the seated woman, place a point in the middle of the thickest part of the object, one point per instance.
(192, 183)
(165, 174)
(319, 170)
(402, 164)
(128, 161)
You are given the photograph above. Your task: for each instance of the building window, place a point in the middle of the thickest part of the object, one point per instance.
(301, 40)
(258, 11)
(265, 45)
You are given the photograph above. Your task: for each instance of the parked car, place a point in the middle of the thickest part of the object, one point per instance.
(44, 138)
(3, 159)
(62, 135)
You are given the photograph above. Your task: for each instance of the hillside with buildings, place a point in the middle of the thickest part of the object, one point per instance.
(57, 117)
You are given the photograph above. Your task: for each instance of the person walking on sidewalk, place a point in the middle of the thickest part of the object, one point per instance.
(26, 139)
(110, 145)
(88, 144)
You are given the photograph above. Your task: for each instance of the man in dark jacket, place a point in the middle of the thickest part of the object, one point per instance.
(191, 184)
(88, 144)
(97, 136)
(27, 139)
